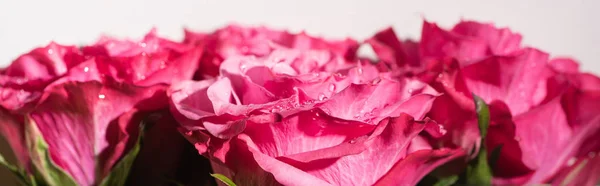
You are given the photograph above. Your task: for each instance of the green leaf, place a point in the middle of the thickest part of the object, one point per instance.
(120, 172)
(223, 179)
(447, 181)
(38, 150)
(479, 171)
(483, 115)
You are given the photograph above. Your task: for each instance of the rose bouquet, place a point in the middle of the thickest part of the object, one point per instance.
(255, 106)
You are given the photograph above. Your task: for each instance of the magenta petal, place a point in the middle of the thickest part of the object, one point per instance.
(512, 79)
(326, 154)
(410, 170)
(371, 103)
(391, 50)
(501, 41)
(13, 131)
(437, 43)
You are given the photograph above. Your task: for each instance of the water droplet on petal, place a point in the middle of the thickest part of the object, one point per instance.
(322, 97)
(101, 96)
(352, 141)
(332, 87)
(86, 69)
(410, 90)
(143, 44)
(317, 114)
(50, 51)
(314, 119)
(571, 161)
(375, 81)
(316, 74)
(359, 70)
(163, 64)
(243, 67)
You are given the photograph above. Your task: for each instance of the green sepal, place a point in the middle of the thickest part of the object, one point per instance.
(223, 179)
(479, 171)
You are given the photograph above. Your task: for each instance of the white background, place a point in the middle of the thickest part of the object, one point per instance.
(562, 28)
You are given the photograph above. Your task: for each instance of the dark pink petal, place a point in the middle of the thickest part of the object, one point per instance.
(390, 49)
(236, 40)
(44, 63)
(12, 129)
(410, 170)
(542, 141)
(74, 119)
(501, 41)
(331, 150)
(151, 61)
(21, 83)
(437, 43)
(371, 103)
(564, 65)
(511, 79)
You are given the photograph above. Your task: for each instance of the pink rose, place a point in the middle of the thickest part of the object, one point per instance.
(83, 107)
(151, 61)
(322, 122)
(236, 40)
(22, 84)
(534, 110)
(556, 141)
(467, 42)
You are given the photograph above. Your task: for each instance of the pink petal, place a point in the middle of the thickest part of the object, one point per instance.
(367, 102)
(69, 122)
(439, 44)
(391, 50)
(410, 170)
(12, 130)
(501, 41)
(512, 79)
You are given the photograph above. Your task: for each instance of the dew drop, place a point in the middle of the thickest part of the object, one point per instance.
(352, 141)
(314, 119)
(332, 87)
(375, 81)
(101, 96)
(316, 74)
(143, 44)
(322, 97)
(317, 114)
(86, 69)
(571, 161)
(243, 67)
(359, 70)
(50, 51)
(410, 90)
